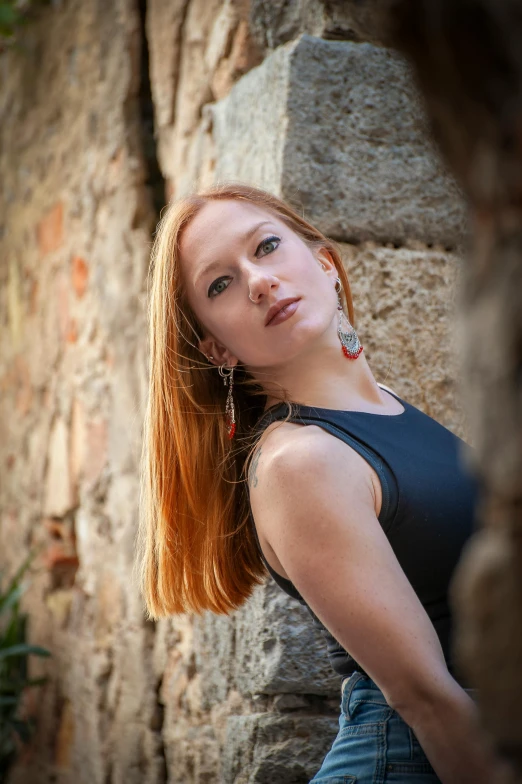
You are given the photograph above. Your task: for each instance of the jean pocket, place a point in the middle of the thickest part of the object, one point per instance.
(335, 780)
(405, 757)
(363, 709)
(410, 768)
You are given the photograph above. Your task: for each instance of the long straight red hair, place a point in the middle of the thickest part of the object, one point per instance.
(195, 549)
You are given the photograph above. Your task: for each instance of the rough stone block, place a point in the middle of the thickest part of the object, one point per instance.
(164, 25)
(214, 637)
(278, 649)
(96, 449)
(279, 21)
(62, 305)
(405, 316)
(77, 443)
(249, 128)
(58, 490)
(269, 646)
(264, 749)
(337, 129)
(79, 275)
(65, 737)
(49, 231)
(15, 308)
(24, 395)
(192, 753)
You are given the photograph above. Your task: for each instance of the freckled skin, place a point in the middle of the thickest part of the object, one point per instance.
(235, 316)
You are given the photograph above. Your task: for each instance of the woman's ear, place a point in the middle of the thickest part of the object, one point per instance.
(324, 257)
(216, 352)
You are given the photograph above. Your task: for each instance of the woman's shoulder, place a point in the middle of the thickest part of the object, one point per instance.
(295, 453)
(300, 470)
(281, 437)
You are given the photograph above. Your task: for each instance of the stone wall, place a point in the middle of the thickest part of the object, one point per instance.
(332, 126)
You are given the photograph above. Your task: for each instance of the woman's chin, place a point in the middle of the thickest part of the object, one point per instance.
(290, 346)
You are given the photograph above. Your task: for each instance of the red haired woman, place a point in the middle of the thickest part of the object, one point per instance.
(269, 446)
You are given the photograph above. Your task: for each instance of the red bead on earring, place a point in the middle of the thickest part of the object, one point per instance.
(350, 355)
(350, 343)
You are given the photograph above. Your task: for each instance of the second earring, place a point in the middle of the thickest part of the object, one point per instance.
(230, 413)
(350, 343)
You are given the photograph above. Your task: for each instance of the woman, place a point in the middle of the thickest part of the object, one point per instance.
(354, 500)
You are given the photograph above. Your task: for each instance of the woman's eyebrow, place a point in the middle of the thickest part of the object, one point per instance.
(244, 237)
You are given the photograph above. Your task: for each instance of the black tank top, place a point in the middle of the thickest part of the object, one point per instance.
(429, 497)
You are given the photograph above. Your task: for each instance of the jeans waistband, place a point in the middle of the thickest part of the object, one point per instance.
(357, 676)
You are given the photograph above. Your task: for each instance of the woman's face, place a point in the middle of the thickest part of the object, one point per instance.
(239, 264)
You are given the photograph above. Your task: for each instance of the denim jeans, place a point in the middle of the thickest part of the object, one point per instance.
(374, 744)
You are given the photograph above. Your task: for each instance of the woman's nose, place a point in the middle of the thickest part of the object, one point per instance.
(260, 286)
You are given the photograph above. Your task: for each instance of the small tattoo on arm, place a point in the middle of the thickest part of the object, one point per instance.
(252, 475)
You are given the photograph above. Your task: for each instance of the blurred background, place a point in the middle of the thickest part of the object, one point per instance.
(108, 110)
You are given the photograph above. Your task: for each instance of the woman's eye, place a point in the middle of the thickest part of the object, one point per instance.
(218, 286)
(268, 245)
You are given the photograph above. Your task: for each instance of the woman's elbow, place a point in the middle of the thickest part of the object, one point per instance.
(417, 698)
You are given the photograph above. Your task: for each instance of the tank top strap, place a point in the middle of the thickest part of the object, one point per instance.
(307, 415)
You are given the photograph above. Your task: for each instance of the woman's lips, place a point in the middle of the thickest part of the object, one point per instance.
(284, 314)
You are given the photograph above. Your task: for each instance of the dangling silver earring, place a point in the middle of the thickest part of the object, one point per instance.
(350, 342)
(230, 414)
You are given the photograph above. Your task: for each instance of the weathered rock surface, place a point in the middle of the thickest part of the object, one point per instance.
(336, 128)
(404, 300)
(279, 21)
(269, 646)
(198, 50)
(75, 227)
(276, 748)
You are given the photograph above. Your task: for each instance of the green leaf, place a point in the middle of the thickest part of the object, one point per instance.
(9, 16)
(15, 580)
(9, 700)
(23, 649)
(12, 681)
(14, 653)
(23, 729)
(14, 631)
(10, 599)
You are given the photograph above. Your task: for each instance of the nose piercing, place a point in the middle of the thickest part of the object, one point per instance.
(250, 297)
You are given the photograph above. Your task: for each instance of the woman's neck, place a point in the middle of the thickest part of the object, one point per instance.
(327, 379)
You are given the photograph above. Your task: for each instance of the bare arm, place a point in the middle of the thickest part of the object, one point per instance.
(313, 504)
